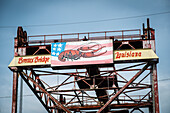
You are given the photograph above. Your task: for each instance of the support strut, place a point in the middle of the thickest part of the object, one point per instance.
(15, 92)
(48, 95)
(155, 89)
(124, 87)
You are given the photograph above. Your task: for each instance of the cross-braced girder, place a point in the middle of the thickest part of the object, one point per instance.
(127, 87)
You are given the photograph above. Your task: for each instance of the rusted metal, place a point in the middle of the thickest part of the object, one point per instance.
(76, 37)
(155, 89)
(104, 88)
(26, 79)
(15, 92)
(72, 99)
(78, 98)
(123, 88)
(148, 28)
(144, 96)
(142, 79)
(21, 96)
(63, 82)
(89, 98)
(94, 87)
(112, 106)
(41, 88)
(138, 87)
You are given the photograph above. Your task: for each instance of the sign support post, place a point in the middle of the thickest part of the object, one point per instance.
(15, 92)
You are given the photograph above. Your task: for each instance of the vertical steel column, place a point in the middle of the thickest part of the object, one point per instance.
(15, 92)
(21, 96)
(155, 89)
(148, 28)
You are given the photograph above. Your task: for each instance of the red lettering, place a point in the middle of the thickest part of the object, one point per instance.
(33, 60)
(20, 60)
(117, 55)
(127, 54)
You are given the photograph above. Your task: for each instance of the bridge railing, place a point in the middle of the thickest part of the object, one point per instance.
(117, 35)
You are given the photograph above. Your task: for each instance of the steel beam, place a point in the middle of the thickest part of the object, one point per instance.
(45, 92)
(155, 88)
(124, 87)
(33, 90)
(15, 92)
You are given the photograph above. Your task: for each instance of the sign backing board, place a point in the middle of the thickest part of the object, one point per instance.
(32, 60)
(135, 54)
(82, 53)
(149, 44)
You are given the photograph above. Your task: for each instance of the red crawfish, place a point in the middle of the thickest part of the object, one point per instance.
(80, 52)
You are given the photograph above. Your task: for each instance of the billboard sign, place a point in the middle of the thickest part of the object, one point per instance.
(135, 54)
(31, 60)
(81, 53)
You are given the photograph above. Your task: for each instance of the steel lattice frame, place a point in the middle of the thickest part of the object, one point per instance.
(122, 86)
(120, 96)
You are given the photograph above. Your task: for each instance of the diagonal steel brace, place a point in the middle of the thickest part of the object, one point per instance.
(124, 87)
(56, 101)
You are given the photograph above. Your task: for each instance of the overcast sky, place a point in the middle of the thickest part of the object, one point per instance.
(44, 12)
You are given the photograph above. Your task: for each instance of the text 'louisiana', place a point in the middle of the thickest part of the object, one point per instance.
(127, 54)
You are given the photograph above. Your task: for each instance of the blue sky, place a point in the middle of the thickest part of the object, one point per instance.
(45, 12)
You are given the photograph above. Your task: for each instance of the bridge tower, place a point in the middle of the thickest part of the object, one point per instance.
(108, 71)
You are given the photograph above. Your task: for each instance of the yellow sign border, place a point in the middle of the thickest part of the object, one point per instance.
(135, 54)
(119, 55)
(31, 60)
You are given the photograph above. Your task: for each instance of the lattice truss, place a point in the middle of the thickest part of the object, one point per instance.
(126, 85)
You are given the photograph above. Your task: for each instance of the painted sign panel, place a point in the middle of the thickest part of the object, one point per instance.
(149, 44)
(21, 51)
(31, 60)
(135, 54)
(81, 53)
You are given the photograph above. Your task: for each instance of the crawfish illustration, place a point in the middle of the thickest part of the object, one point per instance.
(85, 52)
